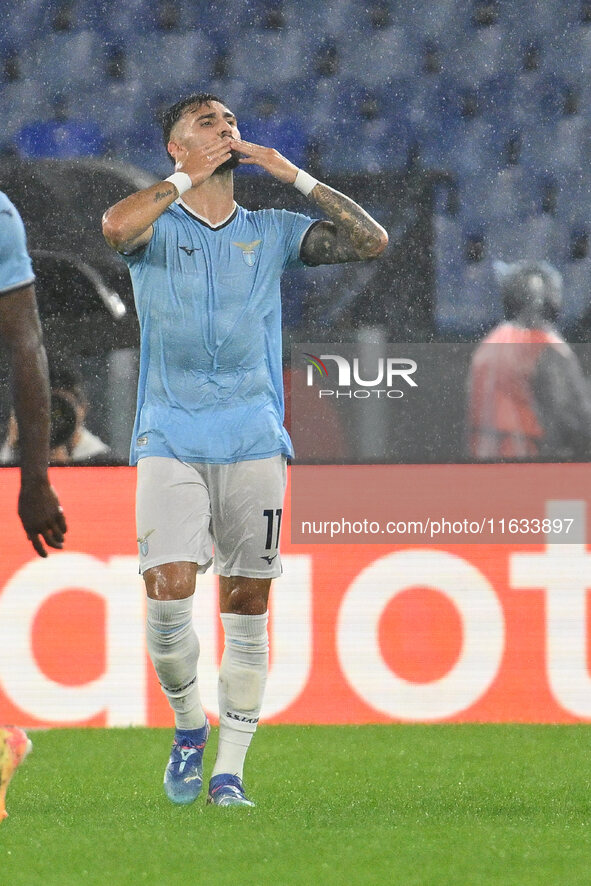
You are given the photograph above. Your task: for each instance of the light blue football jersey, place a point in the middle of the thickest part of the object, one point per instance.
(208, 301)
(16, 269)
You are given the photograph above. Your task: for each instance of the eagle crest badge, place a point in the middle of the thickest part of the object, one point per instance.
(248, 251)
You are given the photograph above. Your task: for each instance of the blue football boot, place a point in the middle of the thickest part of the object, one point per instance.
(227, 790)
(183, 776)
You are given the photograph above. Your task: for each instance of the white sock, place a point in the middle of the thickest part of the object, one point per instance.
(243, 674)
(174, 650)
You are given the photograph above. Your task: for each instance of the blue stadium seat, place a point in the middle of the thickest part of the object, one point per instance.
(577, 289)
(568, 53)
(445, 20)
(493, 194)
(449, 272)
(331, 19)
(482, 53)
(265, 58)
(124, 22)
(172, 59)
(328, 102)
(471, 147)
(63, 139)
(393, 101)
(494, 94)
(524, 98)
(28, 20)
(558, 147)
(65, 61)
(270, 125)
(354, 131)
(540, 193)
(117, 106)
(424, 102)
(450, 96)
(537, 148)
(376, 57)
(20, 103)
(142, 144)
(22, 23)
(467, 299)
(444, 314)
(365, 151)
(569, 148)
(506, 240)
(544, 17)
(432, 145)
(574, 196)
(236, 93)
(539, 237)
(543, 237)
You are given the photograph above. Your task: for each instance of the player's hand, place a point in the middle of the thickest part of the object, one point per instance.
(200, 162)
(267, 158)
(41, 515)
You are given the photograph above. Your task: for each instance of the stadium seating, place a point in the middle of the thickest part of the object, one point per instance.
(496, 93)
(65, 60)
(172, 58)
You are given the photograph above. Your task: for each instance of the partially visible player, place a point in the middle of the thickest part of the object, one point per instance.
(209, 439)
(528, 397)
(38, 507)
(14, 747)
(20, 330)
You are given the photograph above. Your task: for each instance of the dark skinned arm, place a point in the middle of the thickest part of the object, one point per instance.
(38, 506)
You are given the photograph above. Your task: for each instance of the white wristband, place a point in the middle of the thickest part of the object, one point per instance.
(304, 182)
(181, 181)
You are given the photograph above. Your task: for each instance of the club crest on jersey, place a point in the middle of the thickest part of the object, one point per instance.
(248, 251)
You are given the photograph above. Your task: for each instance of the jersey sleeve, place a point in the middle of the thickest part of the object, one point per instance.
(16, 269)
(138, 256)
(294, 226)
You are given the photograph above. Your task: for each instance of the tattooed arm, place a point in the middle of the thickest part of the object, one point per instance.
(350, 235)
(128, 224)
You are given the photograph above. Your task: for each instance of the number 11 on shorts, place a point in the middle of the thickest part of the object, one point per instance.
(273, 519)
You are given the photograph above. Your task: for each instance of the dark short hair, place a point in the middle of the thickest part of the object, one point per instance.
(173, 114)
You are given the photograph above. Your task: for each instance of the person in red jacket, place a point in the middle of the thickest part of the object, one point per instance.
(528, 397)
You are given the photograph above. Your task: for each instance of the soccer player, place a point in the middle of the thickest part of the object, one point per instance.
(209, 439)
(38, 507)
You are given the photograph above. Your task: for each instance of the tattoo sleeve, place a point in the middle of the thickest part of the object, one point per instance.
(350, 235)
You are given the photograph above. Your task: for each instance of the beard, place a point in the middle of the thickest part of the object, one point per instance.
(228, 165)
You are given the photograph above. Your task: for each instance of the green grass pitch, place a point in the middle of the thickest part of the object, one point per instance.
(424, 805)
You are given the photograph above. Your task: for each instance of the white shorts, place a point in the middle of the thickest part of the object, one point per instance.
(202, 513)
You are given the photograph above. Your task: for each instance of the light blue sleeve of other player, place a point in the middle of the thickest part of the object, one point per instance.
(16, 269)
